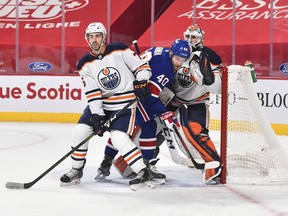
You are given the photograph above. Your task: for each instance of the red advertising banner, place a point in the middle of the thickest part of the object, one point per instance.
(260, 30)
(45, 36)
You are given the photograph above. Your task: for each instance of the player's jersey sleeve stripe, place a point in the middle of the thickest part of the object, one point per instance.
(145, 67)
(143, 112)
(155, 89)
(120, 98)
(93, 95)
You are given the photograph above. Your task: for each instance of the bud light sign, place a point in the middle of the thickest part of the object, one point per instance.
(284, 68)
(40, 66)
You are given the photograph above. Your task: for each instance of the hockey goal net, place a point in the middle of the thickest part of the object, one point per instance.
(250, 150)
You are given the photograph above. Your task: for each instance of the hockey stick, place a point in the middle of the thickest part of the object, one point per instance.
(136, 47)
(15, 185)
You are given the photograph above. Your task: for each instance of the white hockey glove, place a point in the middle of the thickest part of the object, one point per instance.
(169, 119)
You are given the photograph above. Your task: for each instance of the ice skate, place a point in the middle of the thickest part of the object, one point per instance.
(131, 176)
(142, 180)
(158, 177)
(72, 177)
(104, 169)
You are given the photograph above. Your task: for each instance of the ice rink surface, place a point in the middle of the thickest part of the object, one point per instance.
(28, 149)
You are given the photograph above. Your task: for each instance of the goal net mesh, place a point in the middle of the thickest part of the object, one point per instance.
(253, 152)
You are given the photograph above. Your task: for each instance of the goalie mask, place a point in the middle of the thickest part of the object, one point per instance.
(96, 27)
(194, 35)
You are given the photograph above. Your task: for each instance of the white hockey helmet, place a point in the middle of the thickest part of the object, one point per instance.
(194, 35)
(96, 27)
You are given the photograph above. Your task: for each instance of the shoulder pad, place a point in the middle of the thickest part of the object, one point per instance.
(115, 46)
(87, 58)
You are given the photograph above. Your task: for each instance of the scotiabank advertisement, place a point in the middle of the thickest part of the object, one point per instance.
(42, 94)
(60, 96)
(45, 36)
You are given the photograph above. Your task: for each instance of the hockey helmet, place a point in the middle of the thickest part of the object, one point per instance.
(194, 35)
(96, 27)
(180, 48)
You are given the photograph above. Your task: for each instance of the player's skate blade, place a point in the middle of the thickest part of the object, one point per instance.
(67, 184)
(142, 186)
(100, 177)
(144, 179)
(159, 181)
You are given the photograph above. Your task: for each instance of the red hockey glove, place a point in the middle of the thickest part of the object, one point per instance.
(141, 89)
(169, 119)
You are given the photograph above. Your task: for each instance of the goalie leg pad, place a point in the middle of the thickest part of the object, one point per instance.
(200, 141)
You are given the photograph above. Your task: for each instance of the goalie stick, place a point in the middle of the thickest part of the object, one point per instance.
(15, 185)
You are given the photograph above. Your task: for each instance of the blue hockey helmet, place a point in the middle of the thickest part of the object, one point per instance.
(180, 48)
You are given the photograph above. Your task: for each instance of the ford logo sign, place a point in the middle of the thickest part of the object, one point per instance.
(284, 68)
(40, 66)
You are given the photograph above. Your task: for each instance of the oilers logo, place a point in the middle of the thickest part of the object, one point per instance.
(109, 78)
(183, 77)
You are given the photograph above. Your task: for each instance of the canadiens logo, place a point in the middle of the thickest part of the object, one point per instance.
(109, 78)
(31, 10)
(183, 77)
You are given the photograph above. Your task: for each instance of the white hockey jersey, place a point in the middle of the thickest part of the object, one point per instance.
(108, 78)
(186, 90)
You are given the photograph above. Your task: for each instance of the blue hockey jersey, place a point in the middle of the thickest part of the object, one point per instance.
(162, 76)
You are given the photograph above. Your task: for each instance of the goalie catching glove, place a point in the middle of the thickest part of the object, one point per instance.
(96, 123)
(169, 119)
(141, 89)
(201, 70)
